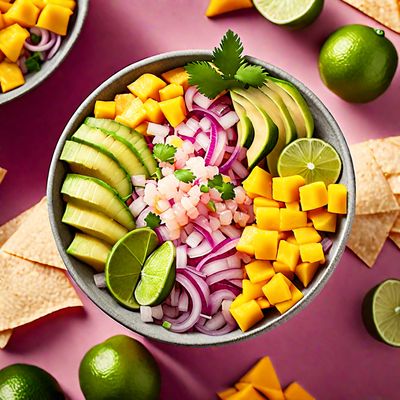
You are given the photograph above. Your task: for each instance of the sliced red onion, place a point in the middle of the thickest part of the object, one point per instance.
(220, 109)
(183, 303)
(221, 248)
(174, 295)
(231, 161)
(201, 250)
(214, 267)
(46, 41)
(205, 233)
(205, 124)
(140, 221)
(178, 319)
(194, 239)
(218, 237)
(219, 151)
(216, 322)
(234, 261)
(190, 139)
(223, 331)
(226, 305)
(217, 297)
(169, 311)
(137, 206)
(55, 48)
(100, 280)
(242, 154)
(139, 191)
(162, 233)
(138, 180)
(213, 144)
(157, 312)
(181, 256)
(239, 169)
(193, 124)
(230, 231)
(234, 273)
(202, 101)
(232, 135)
(157, 129)
(237, 282)
(229, 119)
(201, 286)
(22, 65)
(203, 140)
(188, 228)
(326, 244)
(146, 314)
(183, 129)
(189, 95)
(225, 285)
(194, 271)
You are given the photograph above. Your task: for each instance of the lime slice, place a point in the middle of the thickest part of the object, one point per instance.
(381, 312)
(125, 263)
(290, 13)
(157, 277)
(313, 159)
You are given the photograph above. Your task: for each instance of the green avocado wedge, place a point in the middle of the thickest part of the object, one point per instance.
(244, 127)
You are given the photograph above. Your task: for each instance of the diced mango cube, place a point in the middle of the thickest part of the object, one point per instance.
(41, 3)
(306, 271)
(10, 76)
(2, 25)
(170, 91)
(104, 109)
(252, 291)
(239, 300)
(286, 305)
(24, 12)
(291, 239)
(247, 393)
(276, 290)
(247, 314)
(306, 235)
(174, 110)
(271, 394)
(266, 245)
(153, 110)
(286, 188)
(323, 220)
(284, 235)
(263, 303)
(12, 40)
(63, 3)
(258, 182)
(312, 252)
(259, 271)
(178, 76)
(283, 269)
(134, 115)
(263, 202)
(288, 254)
(4, 6)
(337, 198)
(55, 19)
(268, 218)
(142, 128)
(224, 394)
(122, 102)
(217, 7)
(147, 85)
(314, 195)
(294, 205)
(296, 392)
(246, 242)
(291, 219)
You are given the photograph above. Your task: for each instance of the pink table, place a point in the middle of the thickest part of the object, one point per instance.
(325, 347)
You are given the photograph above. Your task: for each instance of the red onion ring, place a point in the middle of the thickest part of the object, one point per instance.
(55, 48)
(218, 297)
(44, 44)
(221, 248)
(228, 274)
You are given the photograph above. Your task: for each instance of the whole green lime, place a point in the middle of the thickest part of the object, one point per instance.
(358, 63)
(120, 368)
(28, 382)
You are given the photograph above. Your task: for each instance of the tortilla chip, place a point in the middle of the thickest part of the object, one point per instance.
(373, 191)
(2, 174)
(387, 155)
(394, 139)
(396, 226)
(386, 12)
(34, 240)
(29, 290)
(369, 233)
(395, 237)
(5, 337)
(394, 183)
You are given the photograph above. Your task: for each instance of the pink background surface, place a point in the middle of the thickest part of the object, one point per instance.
(325, 347)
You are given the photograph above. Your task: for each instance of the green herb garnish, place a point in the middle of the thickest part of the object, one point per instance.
(184, 175)
(152, 220)
(228, 69)
(204, 189)
(166, 324)
(211, 206)
(35, 39)
(225, 188)
(164, 152)
(34, 62)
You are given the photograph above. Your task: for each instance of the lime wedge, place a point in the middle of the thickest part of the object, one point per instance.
(290, 13)
(157, 277)
(125, 263)
(381, 312)
(313, 159)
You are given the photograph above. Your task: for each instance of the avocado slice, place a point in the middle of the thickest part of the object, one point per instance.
(98, 195)
(119, 147)
(93, 223)
(134, 138)
(295, 103)
(90, 250)
(265, 131)
(97, 162)
(244, 127)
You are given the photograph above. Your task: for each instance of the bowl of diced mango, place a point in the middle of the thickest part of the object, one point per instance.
(35, 37)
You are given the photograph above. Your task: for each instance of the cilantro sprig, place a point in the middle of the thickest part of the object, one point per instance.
(152, 220)
(164, 152)
(225, 188)
(184, 175)
(228, 69)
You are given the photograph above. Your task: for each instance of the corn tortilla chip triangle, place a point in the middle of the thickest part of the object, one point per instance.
(29, 290)
(34, 240)
(394, 139)
(2, 174)
(369, 233)
(387, 155)
(386, 12)
(396, 226)
(5, 337)
(394, 183)
(395, 237)
(373, 191)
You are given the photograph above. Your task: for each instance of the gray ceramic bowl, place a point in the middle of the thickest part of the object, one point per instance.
(35, 78)
(325, 128)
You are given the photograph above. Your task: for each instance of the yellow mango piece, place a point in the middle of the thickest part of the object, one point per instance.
(294, 205)
(24, 12)
(178, 76)
(268, 218)
(291, 239)
(4, 6)
(241, 386)
(285, 305)
(122, 102)
(259, 271)
(10, 76)
(247, 393)
(252, 291)
(217, 7)
(246, 242)
(323, 220)
(314, 195)
(337, 198)
(312, 252)
(272, 394)
(12, 40)
(2, 25)
(174, 110)
(288, 253)
(170, 91)
(142, 128)
(247, 314)
(284, 235)
(147, 85)
(39, 3)
(104, 109)
(291, 219)
(263, 303)
(239, 300)
(306, 271)
(134, 115)
(258, 182)
(54, 18)
(266, 245)
(224, 394)
(262, 374)
(283, 269)
(71, 4)
(296, 392)
(306, 235)
(286, 189)
(276, 290)
(263, 202)
(153, 110)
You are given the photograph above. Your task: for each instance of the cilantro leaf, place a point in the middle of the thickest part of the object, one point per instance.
(252, 75)
(184, 175)
(228, 56)
(216, 181)
(152, 220)
(164, 152)
(226, 191)
(204, 189)
(211, 206)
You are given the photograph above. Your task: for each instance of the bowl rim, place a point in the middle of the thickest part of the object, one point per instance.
(68, 43)
(267, 325)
